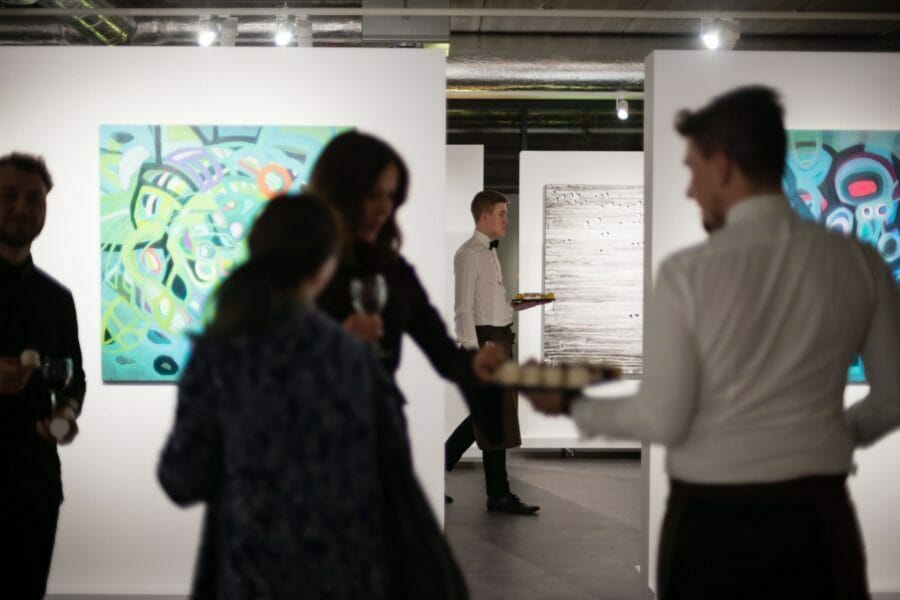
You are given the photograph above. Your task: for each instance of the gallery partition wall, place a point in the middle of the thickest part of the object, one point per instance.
(833, 98)
(102, 117)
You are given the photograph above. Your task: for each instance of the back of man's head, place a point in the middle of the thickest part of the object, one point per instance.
(28, 164)
(484, 202)
(747, 125)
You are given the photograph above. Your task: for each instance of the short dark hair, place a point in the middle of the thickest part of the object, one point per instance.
(484, 202)
(747, 124)
(344, 173)
(28, 163)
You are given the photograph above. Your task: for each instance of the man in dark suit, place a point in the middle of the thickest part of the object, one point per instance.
(36, 313)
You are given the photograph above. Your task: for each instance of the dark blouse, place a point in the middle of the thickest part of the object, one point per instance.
(278, 435)
(407, 311)
(36, 312)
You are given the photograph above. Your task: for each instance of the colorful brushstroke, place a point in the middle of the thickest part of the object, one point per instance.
(847, 180)
(176, 204)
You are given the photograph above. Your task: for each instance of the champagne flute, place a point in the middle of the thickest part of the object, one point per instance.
(369, 295)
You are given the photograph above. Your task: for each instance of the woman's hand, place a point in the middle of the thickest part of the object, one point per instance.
(487, 360)
(368, 328)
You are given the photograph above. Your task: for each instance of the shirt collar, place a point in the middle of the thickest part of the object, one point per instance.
(755, 207)
(485, 240)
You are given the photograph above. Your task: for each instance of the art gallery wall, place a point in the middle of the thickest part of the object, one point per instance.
(820, 91)
(117, 531)
(536, 171)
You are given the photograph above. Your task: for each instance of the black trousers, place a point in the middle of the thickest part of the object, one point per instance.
(793, 539)
(494, 461)
(27, 532)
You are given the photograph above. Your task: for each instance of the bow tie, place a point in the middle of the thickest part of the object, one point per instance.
(493, 245)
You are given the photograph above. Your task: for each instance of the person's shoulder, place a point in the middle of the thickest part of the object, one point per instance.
(468, 251)
(50, 284)
(683, 259)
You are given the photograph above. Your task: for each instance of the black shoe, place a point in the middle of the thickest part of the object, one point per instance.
(511, 504)
(447, 499)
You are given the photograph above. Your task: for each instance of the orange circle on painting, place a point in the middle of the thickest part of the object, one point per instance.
(263, 186)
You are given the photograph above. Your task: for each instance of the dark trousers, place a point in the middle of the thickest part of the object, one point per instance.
(494, 461)
(792, 539)
(27, 532)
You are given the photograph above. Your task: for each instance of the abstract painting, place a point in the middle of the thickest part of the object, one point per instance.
(594, 263)
(176, 205)
(847, 180)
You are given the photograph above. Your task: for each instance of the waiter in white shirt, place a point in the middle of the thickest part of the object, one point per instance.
(484, 314)
(749, 337)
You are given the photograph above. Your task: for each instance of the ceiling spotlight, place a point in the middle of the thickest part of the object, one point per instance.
(719, 33)
(209, 32)
(622, 109)
(285, 31)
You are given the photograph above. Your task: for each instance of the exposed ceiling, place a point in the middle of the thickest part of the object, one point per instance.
(543, 81)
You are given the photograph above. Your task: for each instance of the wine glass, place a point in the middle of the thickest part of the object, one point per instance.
(58, 373)
(369, 295)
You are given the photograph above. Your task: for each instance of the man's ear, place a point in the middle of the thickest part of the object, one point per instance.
(723, 167)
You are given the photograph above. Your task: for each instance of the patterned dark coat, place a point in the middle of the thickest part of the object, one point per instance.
(277, 435)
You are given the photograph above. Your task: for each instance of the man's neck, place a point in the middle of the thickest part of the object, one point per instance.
(487, 234)
(14, 255)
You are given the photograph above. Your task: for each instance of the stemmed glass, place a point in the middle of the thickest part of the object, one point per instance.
(58, 373)
(369, 295)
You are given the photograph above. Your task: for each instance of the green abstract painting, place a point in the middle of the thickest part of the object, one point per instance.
(176, 204)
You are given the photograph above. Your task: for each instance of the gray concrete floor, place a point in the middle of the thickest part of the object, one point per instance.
(584, 544)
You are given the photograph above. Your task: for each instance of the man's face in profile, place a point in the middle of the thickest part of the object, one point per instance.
(705, 186)
(23, 206)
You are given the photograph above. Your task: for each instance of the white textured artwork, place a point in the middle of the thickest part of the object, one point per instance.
(593, 262)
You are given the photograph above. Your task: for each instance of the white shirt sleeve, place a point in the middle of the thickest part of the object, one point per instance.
(879, 412)
(465, 272)
(660, 411)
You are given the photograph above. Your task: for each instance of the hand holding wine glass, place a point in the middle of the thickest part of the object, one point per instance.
(369, 296)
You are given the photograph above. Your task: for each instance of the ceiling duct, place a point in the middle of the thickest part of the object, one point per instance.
(405, 31)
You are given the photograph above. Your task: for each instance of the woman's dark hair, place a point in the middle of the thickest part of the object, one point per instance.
(344, 174)
(289, 242)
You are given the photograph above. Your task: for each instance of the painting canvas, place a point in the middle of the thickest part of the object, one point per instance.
(176, 205)
(594, 263)
(847, 180)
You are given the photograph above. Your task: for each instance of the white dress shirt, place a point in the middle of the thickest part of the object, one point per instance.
(748, 338)
(480, 297)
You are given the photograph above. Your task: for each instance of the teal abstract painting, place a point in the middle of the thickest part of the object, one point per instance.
(176, 205)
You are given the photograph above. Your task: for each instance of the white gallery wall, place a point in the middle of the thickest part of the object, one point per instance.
(117, 531)
(819, 91)
(537, 170)
(465, 178)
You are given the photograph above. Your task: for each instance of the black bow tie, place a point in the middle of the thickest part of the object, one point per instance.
(493, 245)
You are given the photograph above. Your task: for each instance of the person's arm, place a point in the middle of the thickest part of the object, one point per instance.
(465, 274)
(660, 412)
(879, 412)
(190, 465)
(73, 395)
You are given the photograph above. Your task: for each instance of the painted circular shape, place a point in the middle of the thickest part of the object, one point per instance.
(165, 365)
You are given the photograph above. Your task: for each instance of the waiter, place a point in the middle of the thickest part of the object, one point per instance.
(483, 314)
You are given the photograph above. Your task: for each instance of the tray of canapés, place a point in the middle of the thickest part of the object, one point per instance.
(563, 376)
(534, 298)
